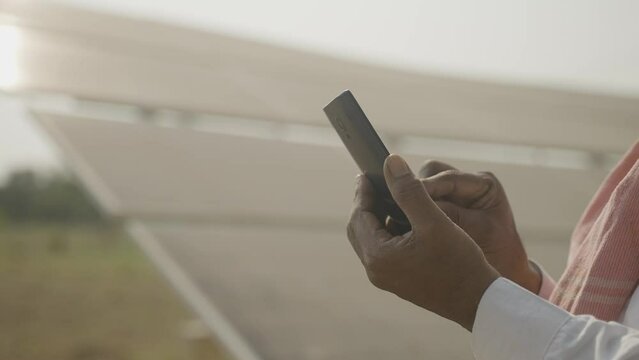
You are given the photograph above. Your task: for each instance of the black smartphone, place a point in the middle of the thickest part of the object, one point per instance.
(365, 146)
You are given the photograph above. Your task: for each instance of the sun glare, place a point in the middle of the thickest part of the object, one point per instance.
(10, 41)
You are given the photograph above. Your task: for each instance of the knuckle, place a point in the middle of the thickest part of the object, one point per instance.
(353, 222)
(487, 174)
(489, 177)
(369, 260)
(376, 279)
(350, 230)
(381, 266)
(376, 270)
(374, 260)
(450, 173)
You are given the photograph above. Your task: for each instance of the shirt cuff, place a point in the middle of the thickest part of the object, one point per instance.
(547, 283)
(513, 323)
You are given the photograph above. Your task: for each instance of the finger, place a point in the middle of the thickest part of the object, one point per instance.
(367, 198)
(459, 187)
(409, 192)
(364, 194)
(397, 228)
(364, 228)
(433, 167)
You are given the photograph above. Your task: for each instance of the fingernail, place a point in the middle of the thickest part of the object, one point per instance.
(397, 166)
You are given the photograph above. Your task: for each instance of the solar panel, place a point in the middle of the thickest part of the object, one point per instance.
(152, 171)
(251, 233)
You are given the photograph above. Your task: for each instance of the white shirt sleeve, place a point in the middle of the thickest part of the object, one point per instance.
(513, 323)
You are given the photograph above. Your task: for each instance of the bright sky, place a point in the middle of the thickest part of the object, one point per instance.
(586, 44)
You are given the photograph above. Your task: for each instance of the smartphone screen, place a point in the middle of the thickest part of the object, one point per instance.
(364, 145)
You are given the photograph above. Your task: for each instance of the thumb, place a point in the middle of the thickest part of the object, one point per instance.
(409, 192)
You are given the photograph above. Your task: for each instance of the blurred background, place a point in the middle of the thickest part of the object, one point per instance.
(172, 190)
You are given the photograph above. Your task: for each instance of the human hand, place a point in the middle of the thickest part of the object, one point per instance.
(436, 265)
(478, 204)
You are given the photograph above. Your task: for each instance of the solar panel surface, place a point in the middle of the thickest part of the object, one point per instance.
(255, 230)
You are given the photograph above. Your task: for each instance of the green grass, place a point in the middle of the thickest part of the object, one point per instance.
(84, 293)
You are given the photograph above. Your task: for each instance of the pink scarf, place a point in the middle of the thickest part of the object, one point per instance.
(603, 265)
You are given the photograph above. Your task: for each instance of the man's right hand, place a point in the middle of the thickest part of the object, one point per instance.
(435, 265)
(478, 204)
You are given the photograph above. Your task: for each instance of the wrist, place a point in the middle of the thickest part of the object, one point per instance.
(476, 287)
(529, 277)
(536, 278)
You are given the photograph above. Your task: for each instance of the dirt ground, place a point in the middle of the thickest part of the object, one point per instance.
(85, 293)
